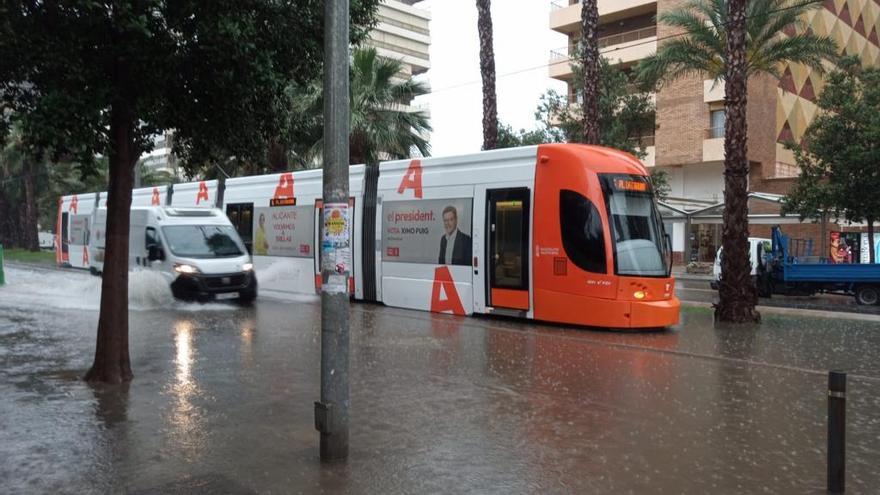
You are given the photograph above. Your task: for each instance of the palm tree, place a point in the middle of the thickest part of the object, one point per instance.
(732, 40)
(487, 73)
(382, 127)
(590, 60)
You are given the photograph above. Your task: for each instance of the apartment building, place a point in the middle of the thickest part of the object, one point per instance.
(403, 33)
(689, 137)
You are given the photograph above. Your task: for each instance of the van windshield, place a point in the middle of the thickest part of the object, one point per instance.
(203, 241)
(640, 245)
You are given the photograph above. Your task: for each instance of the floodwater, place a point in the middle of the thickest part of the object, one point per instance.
(222, 401)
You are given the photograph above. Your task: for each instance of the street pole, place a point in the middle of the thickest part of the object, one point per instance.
(331, 413)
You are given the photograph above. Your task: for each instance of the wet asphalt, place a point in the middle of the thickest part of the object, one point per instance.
(222, 401)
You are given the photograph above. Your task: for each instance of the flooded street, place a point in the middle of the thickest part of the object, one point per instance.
(222, 401)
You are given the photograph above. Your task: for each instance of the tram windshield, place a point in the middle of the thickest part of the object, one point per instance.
(641, 247)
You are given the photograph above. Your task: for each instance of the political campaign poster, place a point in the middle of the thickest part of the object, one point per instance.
(79, 230)
(435, 231)
(284, 231)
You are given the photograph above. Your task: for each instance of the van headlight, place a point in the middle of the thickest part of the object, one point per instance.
(247, 266)
(186, 269)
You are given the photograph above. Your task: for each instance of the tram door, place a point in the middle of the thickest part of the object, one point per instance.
(508, 261)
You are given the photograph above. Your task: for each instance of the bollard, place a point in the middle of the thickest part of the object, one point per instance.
(2, 277)
(836, 431)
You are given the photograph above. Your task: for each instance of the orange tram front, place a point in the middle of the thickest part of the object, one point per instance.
(600, 253)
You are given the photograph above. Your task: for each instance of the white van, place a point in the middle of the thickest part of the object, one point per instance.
(754, 244)
(196, 250)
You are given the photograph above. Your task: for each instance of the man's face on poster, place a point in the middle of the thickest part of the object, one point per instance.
(450, 222)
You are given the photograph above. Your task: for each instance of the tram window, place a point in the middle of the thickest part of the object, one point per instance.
(509, 242)
(241, 215)
(582, 234)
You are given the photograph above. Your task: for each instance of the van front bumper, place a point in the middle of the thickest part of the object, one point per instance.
(202, 287)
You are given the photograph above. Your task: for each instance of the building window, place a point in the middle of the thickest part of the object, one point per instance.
(716, 124)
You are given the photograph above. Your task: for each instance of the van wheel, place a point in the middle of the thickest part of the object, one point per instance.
(867, 295)
(94, 271)
(246, 298)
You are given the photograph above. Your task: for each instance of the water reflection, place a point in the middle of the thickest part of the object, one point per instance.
(248, 331)
(186, 419)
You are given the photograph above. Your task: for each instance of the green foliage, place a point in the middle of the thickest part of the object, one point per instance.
(626, 116)
(214, 72)
(660, 182)
(840, 165)
(703, 50)
(508, 138)
(380, 128)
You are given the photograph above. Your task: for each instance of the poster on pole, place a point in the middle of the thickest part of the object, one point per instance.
(284, 231)
(336, 246)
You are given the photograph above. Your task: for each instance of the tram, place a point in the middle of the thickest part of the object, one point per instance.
(561, 233)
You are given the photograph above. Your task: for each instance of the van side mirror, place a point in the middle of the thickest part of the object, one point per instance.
(155, 253)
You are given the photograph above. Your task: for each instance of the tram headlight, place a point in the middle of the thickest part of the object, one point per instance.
(640, 294)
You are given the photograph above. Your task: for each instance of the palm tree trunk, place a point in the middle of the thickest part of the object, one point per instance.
(737, 295)
(30, 238)
(487, 72)
(112, 363)
(590, 59)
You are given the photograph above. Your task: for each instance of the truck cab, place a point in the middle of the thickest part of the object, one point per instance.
(197, 251)
(757, 246)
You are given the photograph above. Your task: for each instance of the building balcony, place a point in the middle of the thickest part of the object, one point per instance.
(713, 145)
(625, 48)
(565, 15)
(713, 91)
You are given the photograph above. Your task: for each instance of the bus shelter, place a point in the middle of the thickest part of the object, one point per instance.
(696, 230)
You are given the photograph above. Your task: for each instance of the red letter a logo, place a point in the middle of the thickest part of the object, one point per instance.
(284, 189)
(74, 205)
(412, 179)
(156, 200)
(443, 279)
(203, 193)
(85, 256)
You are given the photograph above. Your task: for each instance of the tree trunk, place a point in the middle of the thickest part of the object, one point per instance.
(737, 295)
(871, 249)
(277, 156)
(30, 237)
(487, 72)
(590, 59)
(112, 364)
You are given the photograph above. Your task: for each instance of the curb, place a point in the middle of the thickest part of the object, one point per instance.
(814, 313)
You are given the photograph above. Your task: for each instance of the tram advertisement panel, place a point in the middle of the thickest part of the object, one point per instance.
(79, 230)
(436, 231)
(284, 231)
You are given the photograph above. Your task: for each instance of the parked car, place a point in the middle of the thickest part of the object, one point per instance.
(757, 246)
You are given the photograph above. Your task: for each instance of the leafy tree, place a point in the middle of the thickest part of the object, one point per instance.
(840, 165)
(660, 182)
(626, 116)
(87, 78)
(509, 138)
(487, 73)
(590, 68)
(732, 40)
(380, 127)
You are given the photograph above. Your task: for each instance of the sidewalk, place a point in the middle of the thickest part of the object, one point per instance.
(679, 272)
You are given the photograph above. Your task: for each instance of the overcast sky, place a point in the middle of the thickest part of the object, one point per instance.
(522, 44)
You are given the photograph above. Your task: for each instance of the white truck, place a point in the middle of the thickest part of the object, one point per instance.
(757, 246)
(196, 250)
